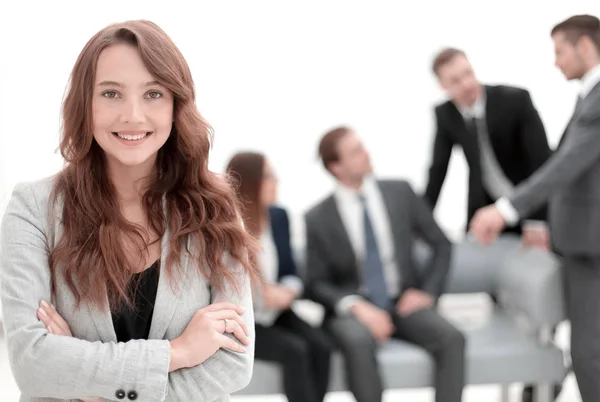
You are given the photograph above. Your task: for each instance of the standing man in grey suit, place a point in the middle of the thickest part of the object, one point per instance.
(571, 181)
(359, 266)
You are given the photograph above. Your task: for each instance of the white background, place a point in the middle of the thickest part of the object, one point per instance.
(275, 75)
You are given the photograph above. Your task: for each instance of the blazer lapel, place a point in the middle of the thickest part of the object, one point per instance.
(103, 321)
(339, 230)
(574, 115)
(166, 296)
(164, 306)
(468, 140)
(393, 210)
(492, 115)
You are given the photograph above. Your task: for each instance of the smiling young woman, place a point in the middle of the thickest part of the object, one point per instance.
(129, 273)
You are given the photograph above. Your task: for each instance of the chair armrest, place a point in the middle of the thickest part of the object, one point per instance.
(529, 283)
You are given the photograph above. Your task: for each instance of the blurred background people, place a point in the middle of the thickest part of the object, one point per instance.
(360, 267)
(570, 179)
(281, 335)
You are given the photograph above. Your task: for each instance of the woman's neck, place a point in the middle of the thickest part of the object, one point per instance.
(130, 182)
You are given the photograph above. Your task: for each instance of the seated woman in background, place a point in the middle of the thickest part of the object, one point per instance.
(281, 336)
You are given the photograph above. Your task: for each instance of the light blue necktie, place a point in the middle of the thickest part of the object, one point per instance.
(373, 267)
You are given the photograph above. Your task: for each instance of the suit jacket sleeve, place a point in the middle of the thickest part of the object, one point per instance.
(579, 153)
(319, 282)
(534, 142)
(288, 271)
(286, 257)
(442, 150)
(424, 224)
(224, 372)
(53, 366)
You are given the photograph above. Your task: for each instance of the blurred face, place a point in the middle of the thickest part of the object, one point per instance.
(568, 57)
(268, 189)
(354, 161)
(458, 79)
(132, 113)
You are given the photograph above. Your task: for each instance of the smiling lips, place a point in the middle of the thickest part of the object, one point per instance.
(132, 135)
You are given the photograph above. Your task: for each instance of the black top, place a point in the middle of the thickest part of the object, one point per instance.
(134, 323)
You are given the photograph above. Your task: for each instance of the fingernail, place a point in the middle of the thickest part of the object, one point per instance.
(44, 304)
(42, 312)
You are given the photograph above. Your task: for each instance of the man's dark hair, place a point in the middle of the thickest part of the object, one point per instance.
(444, 57)
(578, 26)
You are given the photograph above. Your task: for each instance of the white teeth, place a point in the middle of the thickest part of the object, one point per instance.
(132, 137)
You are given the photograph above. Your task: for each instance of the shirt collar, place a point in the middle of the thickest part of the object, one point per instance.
(345, 192)
(589, 81)
(478, 108)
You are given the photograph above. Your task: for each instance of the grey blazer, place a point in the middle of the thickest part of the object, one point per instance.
(332, 268)
(48, 367)
(570, 179)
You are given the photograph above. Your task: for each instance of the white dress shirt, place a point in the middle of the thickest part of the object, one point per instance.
(588, 82)
(351, 212)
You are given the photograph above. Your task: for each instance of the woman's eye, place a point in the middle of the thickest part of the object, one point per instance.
(110, 94)
(154, 95)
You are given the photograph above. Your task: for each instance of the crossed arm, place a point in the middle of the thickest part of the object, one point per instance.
(46, 365)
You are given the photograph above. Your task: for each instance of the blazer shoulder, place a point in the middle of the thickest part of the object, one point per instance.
(278, 216)
(35, 193)
(277, 211)
(316, 211)
(400, 184)
(508, 91)
(443, 107)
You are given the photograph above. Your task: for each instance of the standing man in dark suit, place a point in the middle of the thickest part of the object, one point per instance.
(570, 179)
(359, 266)
(500, 133)
(504, 142)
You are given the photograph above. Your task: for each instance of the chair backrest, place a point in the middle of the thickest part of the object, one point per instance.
(472, 268)
(531, 283)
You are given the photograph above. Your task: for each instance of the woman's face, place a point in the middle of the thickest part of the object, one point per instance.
(268, 190)
(132, 112)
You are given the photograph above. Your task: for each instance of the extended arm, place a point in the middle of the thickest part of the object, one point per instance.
(425, 225)
(534, 143)
(442, 150)
(319, 283)
(289, 273)
(579, 153)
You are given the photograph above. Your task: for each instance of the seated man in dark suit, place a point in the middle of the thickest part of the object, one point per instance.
(504, 143)
(360, 267)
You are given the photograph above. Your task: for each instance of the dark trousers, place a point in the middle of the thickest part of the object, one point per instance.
(582, 285)
(425, 328)
(304, 353)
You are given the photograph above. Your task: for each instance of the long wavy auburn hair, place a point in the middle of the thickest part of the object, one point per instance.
(195, 205)
(246, 172)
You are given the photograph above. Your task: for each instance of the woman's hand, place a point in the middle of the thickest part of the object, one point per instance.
(56, 325)
(278, 297)
(205, 335)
